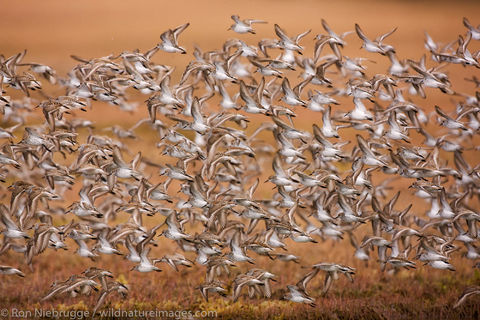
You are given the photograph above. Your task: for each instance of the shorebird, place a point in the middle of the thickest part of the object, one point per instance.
(174, 230)
(243, 26)
(214, 286)
(13, 230)
(252, 105)
(174, 260)
(264, 276)
(107, 288)
(369, 157)
(290, 43)
(83, 249)
(298, 295)
(475, 32)
(73, 284)
(375, 46)
(469, 291)
(11, 271)
(335, 41)
(237, 252)
(170, 40)
(442, 265)
(227, 101)
(332, 271)
(244, 280)
(290, 97)
(265, 70)
(142, 248)
(360, 112)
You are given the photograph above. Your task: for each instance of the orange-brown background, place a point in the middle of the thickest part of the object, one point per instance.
(53, 30)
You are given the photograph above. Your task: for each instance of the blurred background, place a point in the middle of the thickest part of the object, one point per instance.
(52, 30)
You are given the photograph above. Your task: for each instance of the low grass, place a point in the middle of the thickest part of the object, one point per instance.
(423, 293)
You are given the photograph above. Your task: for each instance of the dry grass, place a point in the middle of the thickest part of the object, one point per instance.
(416, 294)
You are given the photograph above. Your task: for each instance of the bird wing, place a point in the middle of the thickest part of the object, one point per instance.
(236, 18)
(360, 33)
(307, 278)
(176, 32)
(384, 36)
(362, 144)
(250, 21)
(281, 34)
(327, 28)
(245, 95)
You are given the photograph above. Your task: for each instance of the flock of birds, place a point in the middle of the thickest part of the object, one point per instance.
(213, 157)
